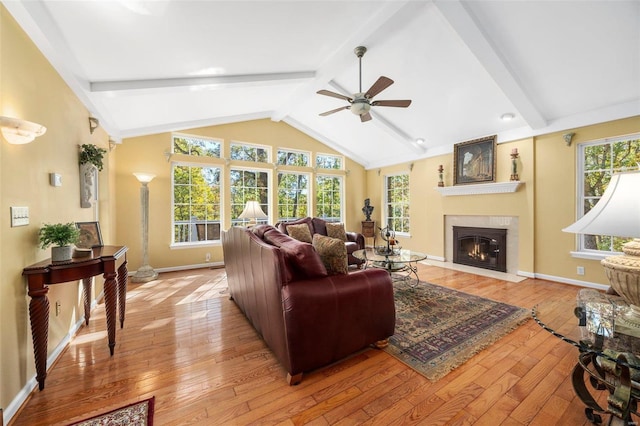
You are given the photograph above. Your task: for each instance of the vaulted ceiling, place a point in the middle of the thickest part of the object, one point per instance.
(145, 67)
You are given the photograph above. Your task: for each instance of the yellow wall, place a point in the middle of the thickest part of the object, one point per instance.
(32, 90)
(146, 154)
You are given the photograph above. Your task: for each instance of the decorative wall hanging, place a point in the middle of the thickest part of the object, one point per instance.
(474, 161)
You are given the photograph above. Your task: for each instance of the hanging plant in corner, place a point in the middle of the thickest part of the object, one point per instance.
(61, 235)
(91, 158)
(91, 154)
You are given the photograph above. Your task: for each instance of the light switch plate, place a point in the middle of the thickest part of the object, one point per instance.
(19, 216)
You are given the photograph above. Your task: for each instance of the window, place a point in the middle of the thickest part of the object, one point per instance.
(293, 158)
(598, 161)
(247, 152)
(326, 161)
(196, 203)
(397, 202)
(194, 146)
(329, 198)
(248, 185)
(293, 196)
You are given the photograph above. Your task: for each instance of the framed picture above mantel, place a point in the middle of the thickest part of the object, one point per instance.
(474, 161)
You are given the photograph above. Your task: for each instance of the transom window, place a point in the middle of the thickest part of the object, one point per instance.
(397, 202)
(329, 197)
(194, 146)
(248, 185)
(248, 152)
(293, 195)
(598, 161)
(196, 203)
(327, 161)
(292, 158)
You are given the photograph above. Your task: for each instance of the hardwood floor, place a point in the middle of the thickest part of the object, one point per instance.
(186, 343)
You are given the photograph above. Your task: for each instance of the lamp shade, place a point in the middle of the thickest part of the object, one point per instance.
(252, 211)
(618, 211)
(144, 177)
(19, 132)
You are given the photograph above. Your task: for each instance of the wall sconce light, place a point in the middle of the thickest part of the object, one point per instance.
(112, 144)
(94, 123)
(168, 154)
(411, 167)
(18, 132)
(568, 137)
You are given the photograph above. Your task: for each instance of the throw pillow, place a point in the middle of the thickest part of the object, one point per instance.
(333, 253)
(300, 232)
(336, 230)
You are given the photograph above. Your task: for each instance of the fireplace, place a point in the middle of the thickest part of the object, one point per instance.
(480, 247)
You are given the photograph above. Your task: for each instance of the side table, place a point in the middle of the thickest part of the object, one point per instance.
(111, 261)
(369, 230)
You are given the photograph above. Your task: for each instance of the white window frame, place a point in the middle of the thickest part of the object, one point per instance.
(269, 211)
(267, 148)
(387, 202)
(320, 154)
(220, 142)
(292, 151)
(310, 183)
(316, 191)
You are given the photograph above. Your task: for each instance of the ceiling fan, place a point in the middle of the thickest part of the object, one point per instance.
(360, 103)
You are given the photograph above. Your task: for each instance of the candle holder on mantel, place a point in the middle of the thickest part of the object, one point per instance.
(440, 175)
(514, 164)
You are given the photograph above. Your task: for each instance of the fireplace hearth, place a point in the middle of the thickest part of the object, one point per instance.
(480, 247)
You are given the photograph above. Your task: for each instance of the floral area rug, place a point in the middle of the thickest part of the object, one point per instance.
(438, 329)
(139, 414)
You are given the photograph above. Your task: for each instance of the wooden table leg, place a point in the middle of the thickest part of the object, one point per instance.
(110, 302)
(86, 290)
(39, 316)
(123, 278)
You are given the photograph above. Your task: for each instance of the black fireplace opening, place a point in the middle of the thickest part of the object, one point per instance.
(480, 247)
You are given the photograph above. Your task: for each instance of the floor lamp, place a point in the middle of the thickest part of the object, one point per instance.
(144, 273)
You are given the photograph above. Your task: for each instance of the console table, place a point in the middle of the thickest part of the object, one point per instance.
(111, 261)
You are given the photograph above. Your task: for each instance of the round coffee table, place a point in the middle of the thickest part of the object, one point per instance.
(399, 262)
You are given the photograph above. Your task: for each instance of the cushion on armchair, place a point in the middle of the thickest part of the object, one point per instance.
(336, 230)
(333, 253)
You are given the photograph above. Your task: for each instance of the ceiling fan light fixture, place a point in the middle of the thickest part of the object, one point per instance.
(360, 107)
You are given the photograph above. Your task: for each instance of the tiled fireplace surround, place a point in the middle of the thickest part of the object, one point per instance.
(510, 223)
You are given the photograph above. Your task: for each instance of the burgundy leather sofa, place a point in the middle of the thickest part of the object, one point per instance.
(309, 319)
(355, 240)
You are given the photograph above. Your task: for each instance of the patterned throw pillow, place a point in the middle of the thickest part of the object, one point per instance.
(336, 230)
(300, 232)
(333, 253)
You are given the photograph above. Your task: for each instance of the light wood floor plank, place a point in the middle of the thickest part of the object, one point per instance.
(188, 345)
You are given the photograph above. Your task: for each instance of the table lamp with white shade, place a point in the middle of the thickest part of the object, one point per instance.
(618, 214)
(252, 211)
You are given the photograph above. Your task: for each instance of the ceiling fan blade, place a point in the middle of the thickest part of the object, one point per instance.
(334, 95)
(402, 104)
(382, 83)
(335, 110)
(365, 117)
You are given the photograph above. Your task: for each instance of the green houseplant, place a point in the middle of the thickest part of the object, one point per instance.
(61, 235)
(90, 153)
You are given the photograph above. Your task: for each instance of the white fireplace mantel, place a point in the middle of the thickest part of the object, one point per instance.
(477, 189)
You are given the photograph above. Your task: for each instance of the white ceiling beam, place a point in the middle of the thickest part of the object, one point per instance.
(216, 81)
(396, 13)
(463, 23)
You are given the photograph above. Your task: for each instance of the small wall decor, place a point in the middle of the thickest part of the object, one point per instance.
(514, 164)
(440, 175)
(474, 161)
(90, 164)
(90, 235)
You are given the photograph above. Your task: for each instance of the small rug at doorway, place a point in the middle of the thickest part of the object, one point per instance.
(138, 413)
(438, 328)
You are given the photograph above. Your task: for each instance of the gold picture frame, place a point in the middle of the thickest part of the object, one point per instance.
(90, 235)
(475, 161)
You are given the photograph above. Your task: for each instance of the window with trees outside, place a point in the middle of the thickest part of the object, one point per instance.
(201, 147)
(248, 152)
(328, 161)
(397, 203)
(292, 158)
(329, 197)
(598, 161)
(293, 195)
(248, 185)
(196, 203)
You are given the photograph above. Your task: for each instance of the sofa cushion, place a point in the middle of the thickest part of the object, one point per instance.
(300, 232)
(282, 226)
(333, 253)
(301, 258)
(336, 230)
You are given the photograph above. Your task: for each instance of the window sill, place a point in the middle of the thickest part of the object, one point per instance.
(482, 188)
(592, 255)
(195, 244)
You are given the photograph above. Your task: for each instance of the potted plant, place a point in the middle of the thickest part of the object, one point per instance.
(91, 154)
(61, 235)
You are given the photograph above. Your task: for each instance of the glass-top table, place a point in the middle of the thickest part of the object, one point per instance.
(608, 357)
(399, 261)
